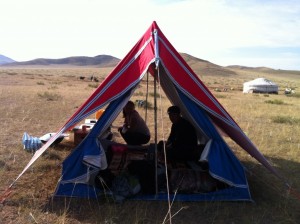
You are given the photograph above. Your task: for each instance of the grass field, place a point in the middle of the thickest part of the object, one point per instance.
(40, 100)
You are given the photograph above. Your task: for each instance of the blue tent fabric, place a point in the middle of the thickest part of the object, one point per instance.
(80, 164)
(226, 166)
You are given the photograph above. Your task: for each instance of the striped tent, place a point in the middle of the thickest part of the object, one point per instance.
(155, 55)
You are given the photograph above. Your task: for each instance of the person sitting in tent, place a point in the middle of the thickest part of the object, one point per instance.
(182, 141)
(134, 130)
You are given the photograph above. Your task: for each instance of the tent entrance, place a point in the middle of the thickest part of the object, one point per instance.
(186, 179)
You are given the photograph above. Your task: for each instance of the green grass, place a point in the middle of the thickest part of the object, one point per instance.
(50, 96)
(296, 95)
(94, 85)
(286, 120)
(278, 102)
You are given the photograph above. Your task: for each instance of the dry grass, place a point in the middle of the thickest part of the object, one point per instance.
(40, 100)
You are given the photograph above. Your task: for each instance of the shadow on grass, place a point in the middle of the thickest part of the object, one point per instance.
(273, 203)
(265, 186)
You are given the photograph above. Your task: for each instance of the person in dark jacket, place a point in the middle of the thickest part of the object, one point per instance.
(182, 141)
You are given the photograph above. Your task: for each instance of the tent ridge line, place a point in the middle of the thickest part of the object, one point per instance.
(156, 47)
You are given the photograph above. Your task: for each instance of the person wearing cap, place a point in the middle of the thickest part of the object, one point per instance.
(182, 141)
(134, 130)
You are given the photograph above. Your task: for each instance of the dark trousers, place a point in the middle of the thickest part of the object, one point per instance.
(135, 138)
(179, 153)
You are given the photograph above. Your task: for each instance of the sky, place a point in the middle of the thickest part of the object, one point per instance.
(251, 33)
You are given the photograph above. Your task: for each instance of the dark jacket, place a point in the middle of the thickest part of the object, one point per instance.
(183, 134)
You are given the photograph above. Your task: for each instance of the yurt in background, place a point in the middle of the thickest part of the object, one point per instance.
(260, 85)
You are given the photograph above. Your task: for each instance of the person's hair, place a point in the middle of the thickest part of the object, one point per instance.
(129, 103)
(174, 110)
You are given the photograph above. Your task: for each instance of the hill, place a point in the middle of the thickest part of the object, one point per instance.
(203, 67)
(262, 70)
(5, 60)
(198, 65)
(97, 61)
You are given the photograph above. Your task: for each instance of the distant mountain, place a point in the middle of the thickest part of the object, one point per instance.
(199, 66)
(262, 70)
(5, 60)
(250, 68)
(203, 67)
(97, 61)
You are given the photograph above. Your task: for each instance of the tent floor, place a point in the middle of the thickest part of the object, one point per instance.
(184, 178)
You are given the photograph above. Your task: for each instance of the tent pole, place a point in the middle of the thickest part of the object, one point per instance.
(147, 92)
(155, 130)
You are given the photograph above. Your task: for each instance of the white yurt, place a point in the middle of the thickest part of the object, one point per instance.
(260, 85)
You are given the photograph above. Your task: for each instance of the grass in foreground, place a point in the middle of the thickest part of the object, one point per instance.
(22, 109)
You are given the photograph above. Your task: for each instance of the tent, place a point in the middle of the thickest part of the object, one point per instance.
(155, 55)
(260, 85)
